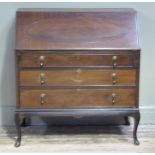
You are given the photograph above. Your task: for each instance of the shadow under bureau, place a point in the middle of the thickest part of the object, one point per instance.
(77, 63)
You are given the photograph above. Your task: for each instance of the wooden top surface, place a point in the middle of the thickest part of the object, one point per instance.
(45, 29)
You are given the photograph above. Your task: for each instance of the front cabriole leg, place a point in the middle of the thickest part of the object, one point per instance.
(136, 117)
(18, 128)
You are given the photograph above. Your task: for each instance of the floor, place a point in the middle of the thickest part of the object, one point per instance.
(79, 139)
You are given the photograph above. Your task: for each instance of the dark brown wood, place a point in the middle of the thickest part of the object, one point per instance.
(77, 63)
(18, 128)
(17, 79)
(75, 87)
(77, 98)
(77, 30)
(125, 112)
(51, 60)
(81, 52)
(76, 113)
(136, 117)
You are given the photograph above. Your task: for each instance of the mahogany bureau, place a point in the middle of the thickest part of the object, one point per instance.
(77, 63)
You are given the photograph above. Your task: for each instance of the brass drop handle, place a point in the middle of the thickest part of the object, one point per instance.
(42, 78)
(113, 98)
(42, 60)
(114, 80)
(43, 98)
(114, 61)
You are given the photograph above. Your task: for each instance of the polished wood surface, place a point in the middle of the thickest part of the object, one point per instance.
(77, 49)
(49, 60)
(77, 98)
(77, 77)
(77, 63)
(40, 30)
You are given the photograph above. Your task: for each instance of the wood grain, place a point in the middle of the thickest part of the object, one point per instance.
(32, 60)
(77, 30)
(77, 98)
(76, 55)
(77, 77)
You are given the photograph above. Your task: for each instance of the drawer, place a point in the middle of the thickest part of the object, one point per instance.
(77, 98)
(77, 77)
(59, 60)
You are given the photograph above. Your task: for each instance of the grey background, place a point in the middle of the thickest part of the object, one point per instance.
(7, 63)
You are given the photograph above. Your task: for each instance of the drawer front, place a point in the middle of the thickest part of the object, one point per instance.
(77, 98)
(77, 77)
(51, 60)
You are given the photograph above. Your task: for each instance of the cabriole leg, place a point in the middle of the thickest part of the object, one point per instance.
(18, 128)
(136, 117)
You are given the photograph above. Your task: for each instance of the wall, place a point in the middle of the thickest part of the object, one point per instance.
(7, 41)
